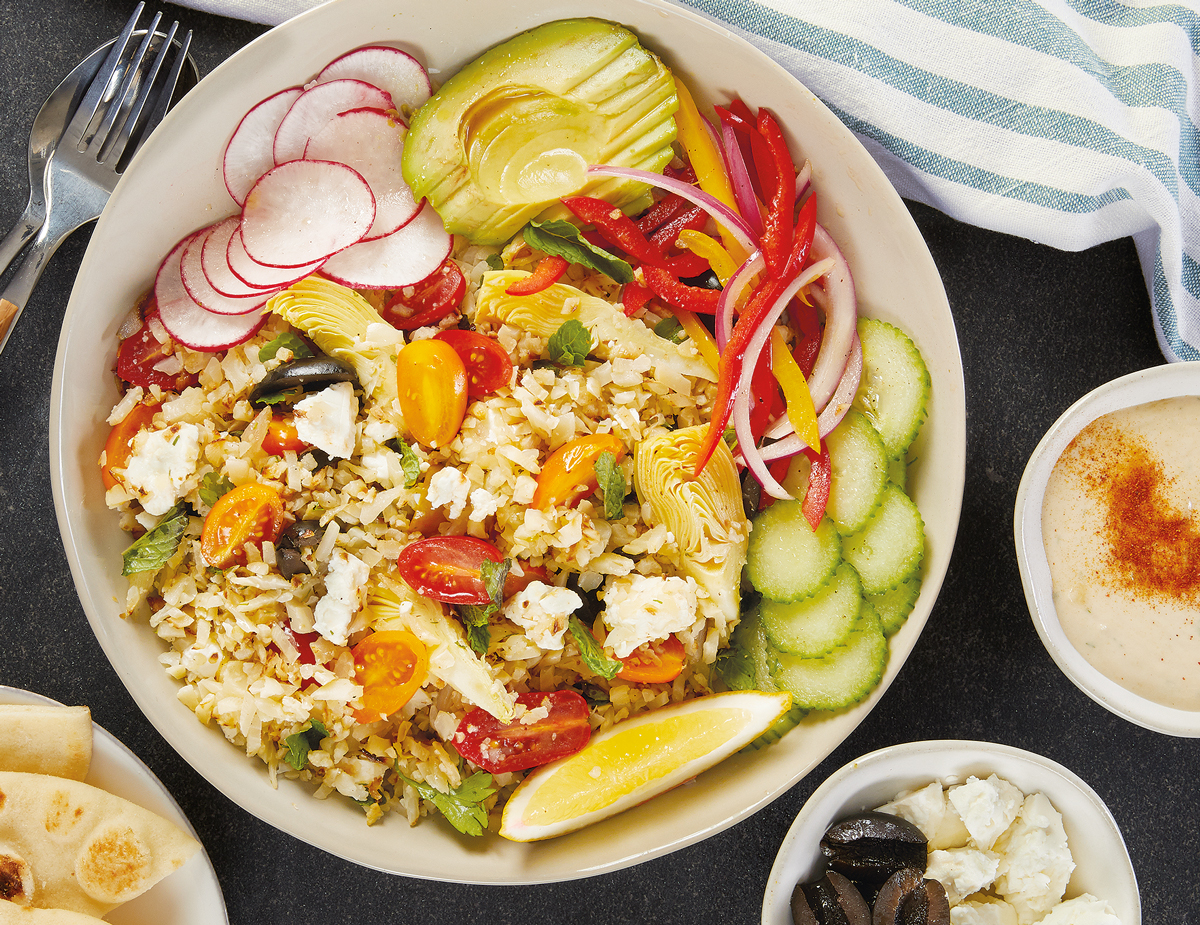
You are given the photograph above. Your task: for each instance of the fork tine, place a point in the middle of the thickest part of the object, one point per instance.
(114, 143)
(87, 107)
(168, 88)
(117, 105)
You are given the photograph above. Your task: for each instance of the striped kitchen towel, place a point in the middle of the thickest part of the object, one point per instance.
(1069, 122)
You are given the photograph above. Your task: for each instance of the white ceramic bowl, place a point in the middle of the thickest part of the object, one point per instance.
(1137, 388)
(174, 186)
(1102, 863)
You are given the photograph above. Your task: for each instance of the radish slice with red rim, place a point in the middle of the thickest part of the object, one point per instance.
(303, 211)
(191, 271)
(316, 106)
(255, 274)
(370, 141)
(189, 322)
(392, 70)
(214, 261)
(248, 155)
(402, 258)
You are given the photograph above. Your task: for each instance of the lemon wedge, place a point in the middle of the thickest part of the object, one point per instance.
(635, 760)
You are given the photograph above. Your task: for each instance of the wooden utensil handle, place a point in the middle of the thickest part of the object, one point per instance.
(8, 313)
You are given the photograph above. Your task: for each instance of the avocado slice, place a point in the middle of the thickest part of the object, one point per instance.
(515, 130)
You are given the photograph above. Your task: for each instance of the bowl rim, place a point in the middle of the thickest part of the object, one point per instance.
(1157, 382)
(844, 792)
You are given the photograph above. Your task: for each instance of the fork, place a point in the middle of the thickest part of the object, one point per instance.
(88, 161)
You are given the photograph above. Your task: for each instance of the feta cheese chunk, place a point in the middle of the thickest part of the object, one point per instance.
(1035, 861)
(1084, 909)
(344, 584)
(962, 871)
(983, 910)
(543, 610)
(924, 808)
(162, 460)
(325, 419)
(640, 609)
(450, 489)
(987, 807)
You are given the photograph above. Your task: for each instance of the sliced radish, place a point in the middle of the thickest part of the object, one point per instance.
(249, 152)
(255, 274)
(392, 70)
(189, 322)
(191, 271)
(400, 259)
(371, 142)
(303, 211)
(316, 106)
(214, 261)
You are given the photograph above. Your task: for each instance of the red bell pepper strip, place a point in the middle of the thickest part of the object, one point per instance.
(766, 400)
(660, 213)
(776, 240)
(548, 271)
(615, 227)
(806, 321)
(680, 295)
(634, 297)
(816, 496)
(693, 218)
(687, 265)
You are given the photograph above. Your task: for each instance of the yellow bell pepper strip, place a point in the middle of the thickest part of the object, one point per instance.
(776, 242)
(800, 408)
(699, 334)
(718, 258)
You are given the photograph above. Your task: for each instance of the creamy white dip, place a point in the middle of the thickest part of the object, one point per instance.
(1121, 527)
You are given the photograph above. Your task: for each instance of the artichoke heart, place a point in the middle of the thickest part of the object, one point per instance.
(613, 334)
(345, 326)
(704, 512)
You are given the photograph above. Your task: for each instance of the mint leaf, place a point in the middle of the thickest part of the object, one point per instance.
(479, 637)
(611, 480)
(494, 575)
(289, 340)
(301, 743)
(597, 660)
(570, 344)
(495, 262)
(475, 620)
(463, 808)
(410, 462)
(213, 486)
(564, 240)
(736, 668)
(151, 551)
(670, 329)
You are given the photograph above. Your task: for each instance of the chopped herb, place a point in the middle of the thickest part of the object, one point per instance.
(152, 550)
(213, 486)
(570, 344)
(590, 651)
(276, 397)
(494, 575)
(736, 668)
(611, 480)
(594, 694)
(670, 329)
(286, 340)
(463, 808)
(495, 261)
(564, 240)
(475, 619)
(301, 743)
(410, 462)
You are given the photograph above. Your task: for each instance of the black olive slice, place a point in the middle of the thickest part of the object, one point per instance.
(872, 846)
(301, 534)
(307, 374)
(802, 913)
(851, 900)
(290, 562)
(889, 904)
(939, 903)
(823, 899)
(915, 908)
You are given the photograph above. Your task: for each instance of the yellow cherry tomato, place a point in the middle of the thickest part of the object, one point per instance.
(390, 665)
(432, 383)
(570, 472)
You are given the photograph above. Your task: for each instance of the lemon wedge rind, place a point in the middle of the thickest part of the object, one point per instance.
(635, 760)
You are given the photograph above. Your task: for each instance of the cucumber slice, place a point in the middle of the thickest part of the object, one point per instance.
(787, 560)
(786, 723)
(812, 627)
(859, 466)
(889, 548)
(746, 664)
(895, 605)
(844, 676)
(895, 384)
(898, 472)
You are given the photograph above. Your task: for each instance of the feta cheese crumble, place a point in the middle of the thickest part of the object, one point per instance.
(450, 489)
(543, 610)
(344, 584)
(162, 460)
(640, 609)
(325, 419)
(987, 807)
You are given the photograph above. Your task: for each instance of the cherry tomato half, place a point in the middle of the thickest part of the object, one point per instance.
(119, 445)
(390, 665)
(141, 351)
(447, 568)
(281, 436)
(515, 584)
(570, 472)
(432, 385)
(653, 662)
(502, 747)
(250, 513)
(487, 363)
(428, 301)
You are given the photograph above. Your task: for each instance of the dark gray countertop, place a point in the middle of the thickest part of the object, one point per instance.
(1038, 328)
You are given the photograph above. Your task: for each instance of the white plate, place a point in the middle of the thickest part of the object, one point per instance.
(190, 895)
(1137, 388)
(1102, 863)
(174, 186)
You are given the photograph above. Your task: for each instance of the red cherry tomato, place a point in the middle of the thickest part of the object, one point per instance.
(515, 584)
(141, 351)
(447, 568)
(428, 301)
(654, 662)
(502, 747)
(119, 446)
(487, 363)
(282, 436)
(250, 513)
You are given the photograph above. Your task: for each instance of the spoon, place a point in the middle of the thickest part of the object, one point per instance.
(48, 126)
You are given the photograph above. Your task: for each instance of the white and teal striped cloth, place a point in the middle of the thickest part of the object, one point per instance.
(1070, 122)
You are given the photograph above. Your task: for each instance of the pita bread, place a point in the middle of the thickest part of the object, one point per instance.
(89, 851)
(16, 878)
(27, 915)
(46, 739)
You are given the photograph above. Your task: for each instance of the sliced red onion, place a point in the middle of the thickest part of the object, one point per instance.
(841, 320)
(724, 216)
(739, 178)
(731, 295)
(803, 179)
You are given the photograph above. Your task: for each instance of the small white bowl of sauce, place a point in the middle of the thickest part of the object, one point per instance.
(1107, 530)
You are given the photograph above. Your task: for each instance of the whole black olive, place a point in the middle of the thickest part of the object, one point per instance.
(290, 562)
(872, 846)
(307, 374)
(301, 534)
